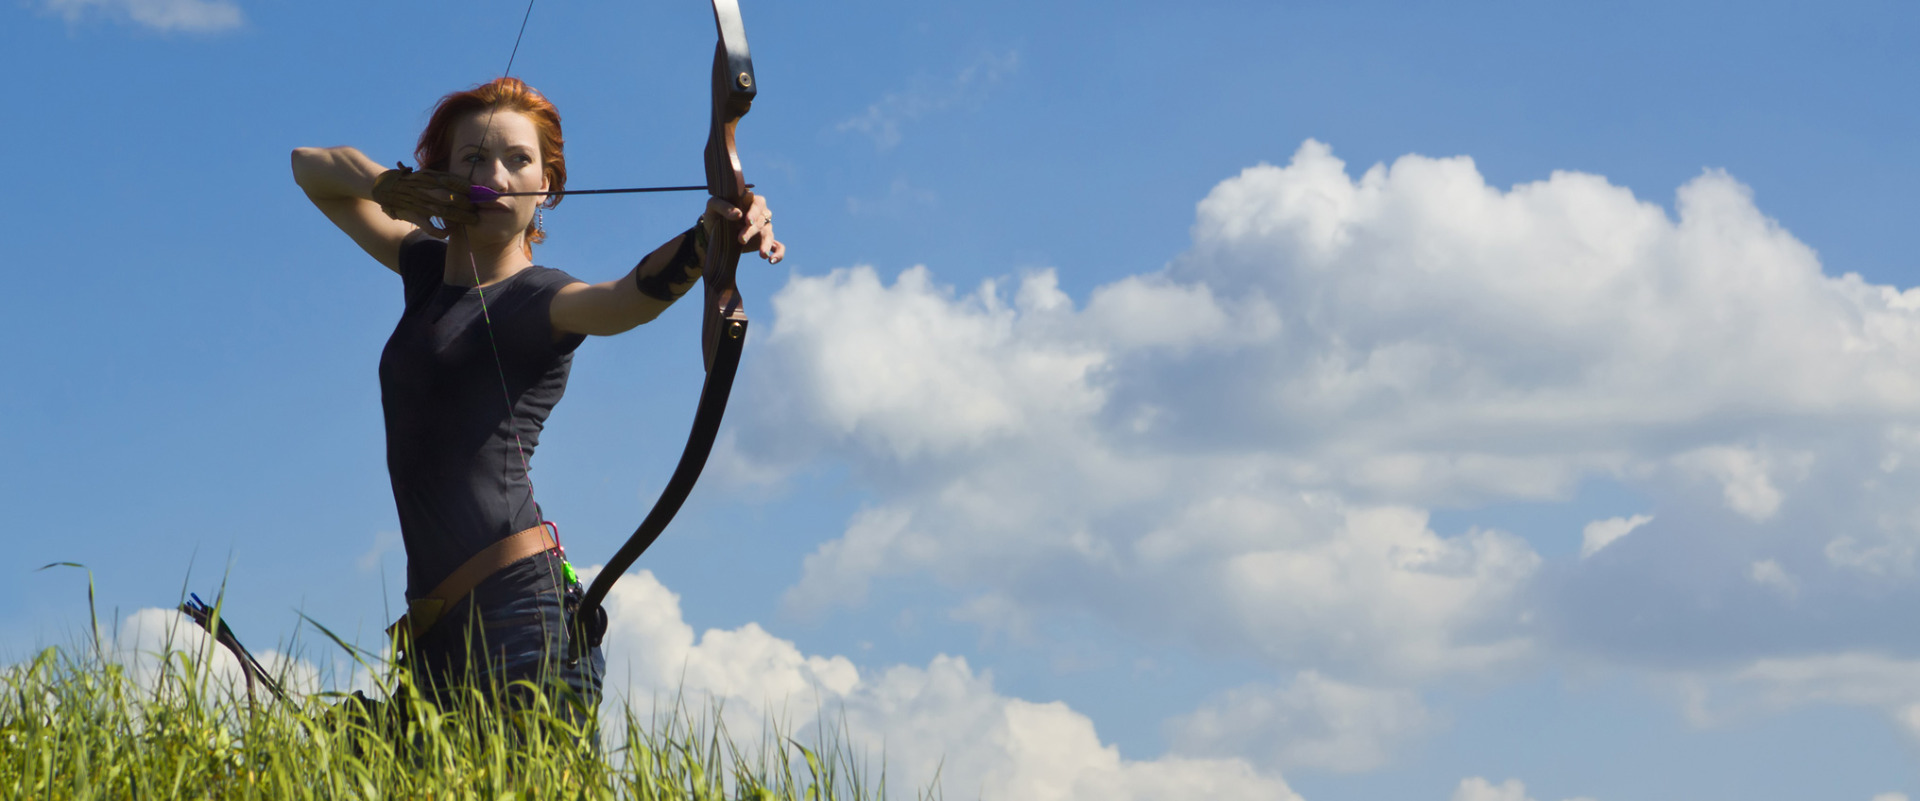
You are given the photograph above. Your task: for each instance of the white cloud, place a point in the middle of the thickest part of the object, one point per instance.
(945, 717)
(1479, 789)
(194, 16)
(384, 542)
(1382, 589)
(1746, 477)
(1559, 317)
(1601, 533)
(998, 615)
(1890, 797)
(932, 376)
(1769, 574)
(948, 718)
(1139, 313)
(902, 199)
(1887, 552)
(1315, 722)
(652, 649)
(1873, 681)
(1238, 450)
(982, 416)
(883, 120)
(1854, 679)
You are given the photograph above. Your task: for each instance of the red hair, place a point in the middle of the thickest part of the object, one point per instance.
(435, 151)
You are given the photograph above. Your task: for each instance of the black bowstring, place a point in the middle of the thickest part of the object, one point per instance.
(516, 42)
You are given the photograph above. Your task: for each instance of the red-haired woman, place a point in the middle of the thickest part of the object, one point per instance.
(482, 321)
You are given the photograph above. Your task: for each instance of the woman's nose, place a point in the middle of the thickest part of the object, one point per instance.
(486, 173)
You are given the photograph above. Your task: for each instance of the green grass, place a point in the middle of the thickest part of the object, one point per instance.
(75, 724)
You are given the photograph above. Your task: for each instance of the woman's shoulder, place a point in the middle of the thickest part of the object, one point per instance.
(418, 246)
(422, 262)
(538, 276)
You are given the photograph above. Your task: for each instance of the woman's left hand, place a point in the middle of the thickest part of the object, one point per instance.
(756, 225)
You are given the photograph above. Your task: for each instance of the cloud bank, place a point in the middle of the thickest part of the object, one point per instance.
(190, 16)
(942, 719)
(1240, 451)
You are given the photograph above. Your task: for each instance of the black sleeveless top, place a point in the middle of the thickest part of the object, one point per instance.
(458, 480)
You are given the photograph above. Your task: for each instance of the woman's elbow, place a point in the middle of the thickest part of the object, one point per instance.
(303, 160)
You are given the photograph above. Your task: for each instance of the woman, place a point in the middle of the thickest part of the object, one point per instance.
(479, 358)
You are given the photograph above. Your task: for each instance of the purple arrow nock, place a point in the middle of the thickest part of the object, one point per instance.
(481, 194)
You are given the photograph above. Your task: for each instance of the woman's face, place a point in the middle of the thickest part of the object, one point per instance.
(501, 154)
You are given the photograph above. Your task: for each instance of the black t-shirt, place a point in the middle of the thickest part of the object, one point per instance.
(458, 480)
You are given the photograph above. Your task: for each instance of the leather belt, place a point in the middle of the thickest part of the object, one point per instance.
(424, 612)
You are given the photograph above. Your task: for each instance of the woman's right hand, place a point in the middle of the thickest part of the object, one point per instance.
(418, 196)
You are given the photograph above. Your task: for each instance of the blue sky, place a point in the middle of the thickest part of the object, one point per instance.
(1354, 400)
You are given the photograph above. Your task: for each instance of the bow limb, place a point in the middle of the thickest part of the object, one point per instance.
(724, 320)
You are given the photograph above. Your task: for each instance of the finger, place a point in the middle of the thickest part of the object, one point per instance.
(438, 203)
(724, 210)
(435, 185)
(462, 213)
(437, 195)
(411, 202)
(447, 180)
(414, 211)
(435, 182)
(433, 224)
(427, 226)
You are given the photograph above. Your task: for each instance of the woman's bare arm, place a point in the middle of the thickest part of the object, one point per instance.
(616, 306)
(339, 181)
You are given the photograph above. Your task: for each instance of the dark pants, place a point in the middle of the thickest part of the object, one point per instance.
(512, 628)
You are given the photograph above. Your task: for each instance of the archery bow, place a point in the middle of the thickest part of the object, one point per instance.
(724, 324)
(208, 617)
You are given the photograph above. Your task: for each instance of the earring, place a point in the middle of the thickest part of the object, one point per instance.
(539, 222)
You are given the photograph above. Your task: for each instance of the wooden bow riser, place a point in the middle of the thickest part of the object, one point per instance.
(734, 88)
